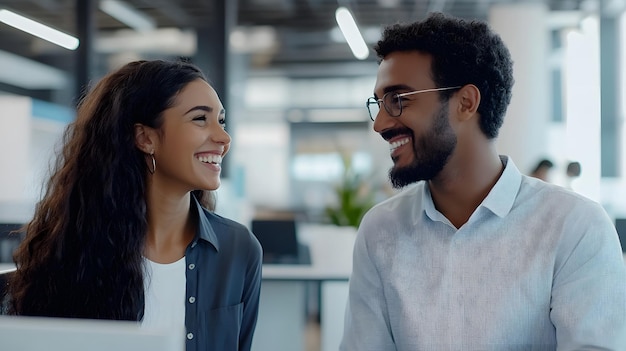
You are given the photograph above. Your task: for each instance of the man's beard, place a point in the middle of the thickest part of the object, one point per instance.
(431, 152)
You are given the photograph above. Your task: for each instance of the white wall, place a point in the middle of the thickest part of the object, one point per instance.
(523, 28)
(15, 137)
(28, 147)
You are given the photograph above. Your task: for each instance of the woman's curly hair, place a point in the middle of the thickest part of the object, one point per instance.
(82, 252)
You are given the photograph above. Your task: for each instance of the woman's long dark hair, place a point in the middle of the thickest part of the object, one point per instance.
(82, 252)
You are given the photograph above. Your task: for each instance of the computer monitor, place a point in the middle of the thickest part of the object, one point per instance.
(620, 226)
(70, 334)
(279, 240)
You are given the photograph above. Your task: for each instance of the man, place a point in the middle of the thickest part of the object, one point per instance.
(475, 255)
(542, 170)
(572, 171)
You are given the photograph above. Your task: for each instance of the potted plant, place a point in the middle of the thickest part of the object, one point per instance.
(354, 198)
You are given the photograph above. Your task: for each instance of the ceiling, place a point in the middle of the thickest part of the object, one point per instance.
(300, 29)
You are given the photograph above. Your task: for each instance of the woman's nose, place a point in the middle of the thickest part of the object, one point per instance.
(220, 136)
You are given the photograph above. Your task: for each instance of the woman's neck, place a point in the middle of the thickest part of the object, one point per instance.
(171, 227)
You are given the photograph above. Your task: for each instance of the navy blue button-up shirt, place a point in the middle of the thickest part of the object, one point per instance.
(223, 285)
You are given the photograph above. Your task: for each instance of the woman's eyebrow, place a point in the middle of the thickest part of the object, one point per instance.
(201, 107)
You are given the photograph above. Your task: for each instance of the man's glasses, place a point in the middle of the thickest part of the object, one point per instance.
(393, 102)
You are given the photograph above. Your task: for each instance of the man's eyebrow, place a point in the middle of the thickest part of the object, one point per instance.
(395, 88)
(201, 108)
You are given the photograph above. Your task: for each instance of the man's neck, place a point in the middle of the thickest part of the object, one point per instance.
(464, 183)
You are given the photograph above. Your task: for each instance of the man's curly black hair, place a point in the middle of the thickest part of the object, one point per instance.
(462, 53)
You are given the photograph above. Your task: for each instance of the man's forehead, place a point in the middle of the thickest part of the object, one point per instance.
(399, 73)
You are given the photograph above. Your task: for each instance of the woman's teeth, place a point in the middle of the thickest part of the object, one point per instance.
(217, 159)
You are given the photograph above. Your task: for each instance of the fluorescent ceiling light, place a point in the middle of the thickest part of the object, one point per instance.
(159, 41)
(351, 33)
(29, 74)
(127, 15)
(370, 34)
(39, 30)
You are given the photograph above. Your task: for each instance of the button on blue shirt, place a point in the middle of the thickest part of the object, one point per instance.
(536, 267)
(223, 285)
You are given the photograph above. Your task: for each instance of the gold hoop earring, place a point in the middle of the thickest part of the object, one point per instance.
(153, 164)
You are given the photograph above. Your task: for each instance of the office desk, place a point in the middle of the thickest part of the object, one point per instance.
(282, 312)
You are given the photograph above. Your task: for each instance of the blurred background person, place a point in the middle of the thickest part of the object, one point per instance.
(572, 172)
(542, 170)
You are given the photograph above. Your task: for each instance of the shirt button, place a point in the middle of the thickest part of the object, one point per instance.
(189, 336)
(192, 266)
(192, 299)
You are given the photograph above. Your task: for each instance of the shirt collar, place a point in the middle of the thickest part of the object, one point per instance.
(205, 230)
(502, 196)
(499, 200)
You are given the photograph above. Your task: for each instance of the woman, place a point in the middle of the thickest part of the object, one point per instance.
(123, 232)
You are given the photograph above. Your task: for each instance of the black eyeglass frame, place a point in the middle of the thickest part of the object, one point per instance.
(396, 97)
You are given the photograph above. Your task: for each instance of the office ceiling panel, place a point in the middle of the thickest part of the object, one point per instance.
(301, 28)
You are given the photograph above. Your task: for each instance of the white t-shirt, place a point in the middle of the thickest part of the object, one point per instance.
(164, 287)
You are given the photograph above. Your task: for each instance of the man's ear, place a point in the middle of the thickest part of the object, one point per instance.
(469, 100)
(145, 138)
